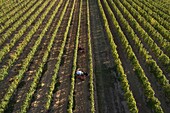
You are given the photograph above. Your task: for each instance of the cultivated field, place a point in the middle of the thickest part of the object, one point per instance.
(125, 50)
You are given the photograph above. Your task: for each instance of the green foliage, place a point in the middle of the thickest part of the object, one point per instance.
(25, 64)
(124, 82)
(52, 85)
(152, 64)
(20, 48)
(131, 56)
(90, 62)
(70, 99)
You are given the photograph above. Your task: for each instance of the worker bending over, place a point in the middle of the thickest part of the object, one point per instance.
(81, 74)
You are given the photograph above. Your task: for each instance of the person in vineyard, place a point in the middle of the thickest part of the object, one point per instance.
(81, 74)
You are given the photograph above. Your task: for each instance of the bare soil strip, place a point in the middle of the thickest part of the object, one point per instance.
(109, 93)
(60, 96)
(39, 102)
(82, 93)
(82, 102)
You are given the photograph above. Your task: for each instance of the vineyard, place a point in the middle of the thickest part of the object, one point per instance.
(125, 51)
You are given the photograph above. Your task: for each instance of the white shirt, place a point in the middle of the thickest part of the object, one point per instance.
(79, 72)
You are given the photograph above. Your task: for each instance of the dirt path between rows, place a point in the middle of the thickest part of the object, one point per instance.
(40, 96)
(82, 102)
(109, 93)
(60, 97)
